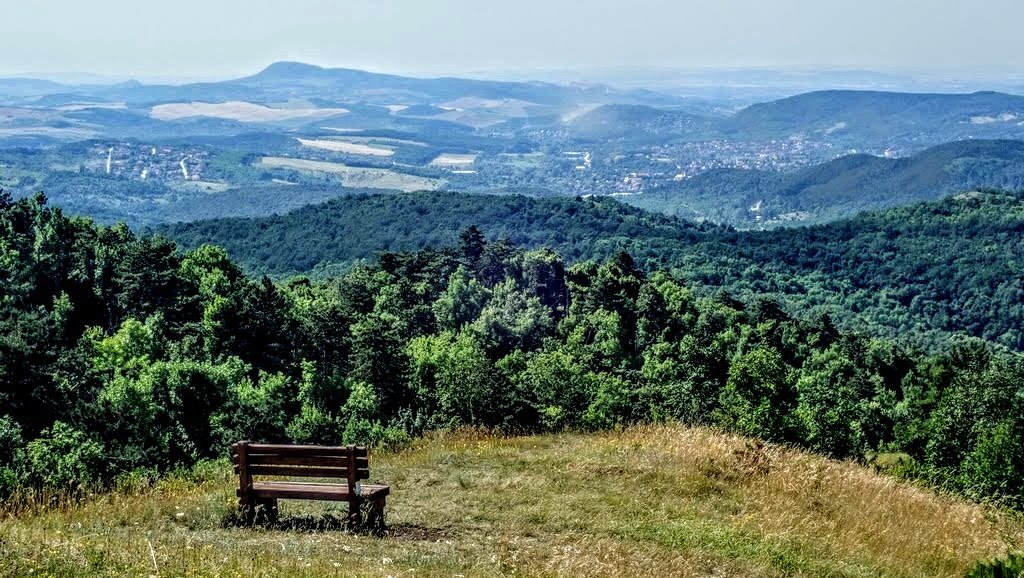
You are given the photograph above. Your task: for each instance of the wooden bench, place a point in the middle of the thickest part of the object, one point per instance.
(348, 463)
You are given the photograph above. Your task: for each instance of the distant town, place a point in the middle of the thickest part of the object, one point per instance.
(144, 162)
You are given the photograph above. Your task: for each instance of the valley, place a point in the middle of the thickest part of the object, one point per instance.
(771, 327)
(685, 156)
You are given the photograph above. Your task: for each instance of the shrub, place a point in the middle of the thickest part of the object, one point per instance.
(758, 396)
(11, 454)
(1010, 567)
(10, 440)
(64, 458)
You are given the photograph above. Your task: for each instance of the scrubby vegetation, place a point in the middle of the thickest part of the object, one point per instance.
(119, 354)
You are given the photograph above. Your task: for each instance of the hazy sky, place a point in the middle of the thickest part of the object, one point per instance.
(223, 38)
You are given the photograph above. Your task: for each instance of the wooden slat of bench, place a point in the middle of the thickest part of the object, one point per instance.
(303, 471)
(307, 491)
(278, 449)
(289, 460)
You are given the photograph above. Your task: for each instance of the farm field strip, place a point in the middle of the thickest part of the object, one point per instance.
(343, 146)
(238, 110)
(453, 159)
(357, 176)
(381, 140)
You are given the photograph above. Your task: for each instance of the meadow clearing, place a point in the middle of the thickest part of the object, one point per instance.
(645, 501)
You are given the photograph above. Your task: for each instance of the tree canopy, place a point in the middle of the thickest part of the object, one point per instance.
(120, 353)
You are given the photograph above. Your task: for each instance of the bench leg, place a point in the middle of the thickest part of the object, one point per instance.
(267, 509)
(367, 516)
(355, 516)
(375, 517)
(258, 510)
(247, 508)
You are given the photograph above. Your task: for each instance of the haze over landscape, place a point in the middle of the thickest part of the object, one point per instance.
(127, 40)
(582, 289)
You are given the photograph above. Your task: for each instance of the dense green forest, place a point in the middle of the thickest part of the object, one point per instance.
(119, 354)
(343, 231)
(916, 273)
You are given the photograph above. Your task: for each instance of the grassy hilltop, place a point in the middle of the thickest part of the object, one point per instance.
(651, 501)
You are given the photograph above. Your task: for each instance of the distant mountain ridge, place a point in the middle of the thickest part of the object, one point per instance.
(281, 81)
(848, 119)
(816, 105)
(884, 116)
(578, 113)
(291, 76)
(641, 122)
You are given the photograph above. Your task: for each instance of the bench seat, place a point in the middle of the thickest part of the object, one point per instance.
(314, 491)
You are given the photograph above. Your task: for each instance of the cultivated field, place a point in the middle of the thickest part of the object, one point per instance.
(70, 133)
(654, 501)
(342, 146)
(240, 111)
(357, 176)
(77, 106)
(379, 139)
(456, 160)
(507, 106)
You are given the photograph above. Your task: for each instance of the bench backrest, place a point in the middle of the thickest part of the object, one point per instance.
(347, 462)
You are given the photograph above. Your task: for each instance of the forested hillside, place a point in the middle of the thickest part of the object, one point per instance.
(120, 354)
(862, 116)
(917, 273)
(839, 188)
(345, 230)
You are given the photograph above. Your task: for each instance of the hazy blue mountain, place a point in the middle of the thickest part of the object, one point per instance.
(287, 80)
(370, 86)
(16, 88)
(903, 123)
(867, 121)
(637, 123)
(884, 118)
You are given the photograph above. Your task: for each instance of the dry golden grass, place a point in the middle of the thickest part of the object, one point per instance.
(651, 501)
(346, 147)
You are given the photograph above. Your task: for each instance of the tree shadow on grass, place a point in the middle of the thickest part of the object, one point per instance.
(317, 523)
(300, 523)
(418, 533)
